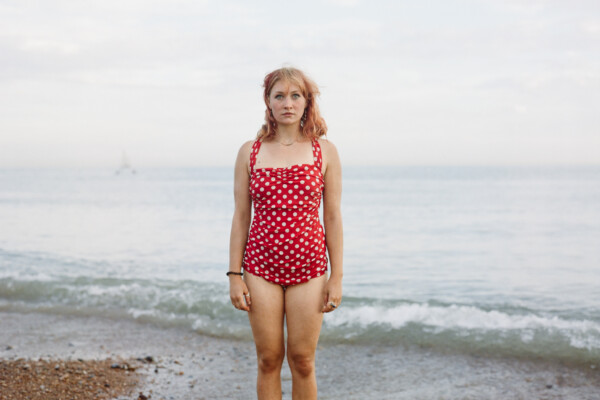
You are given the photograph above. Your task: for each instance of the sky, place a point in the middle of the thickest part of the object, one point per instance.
(178, 82)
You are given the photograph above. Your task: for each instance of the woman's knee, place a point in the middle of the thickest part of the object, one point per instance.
(303, 364)
(270, 361)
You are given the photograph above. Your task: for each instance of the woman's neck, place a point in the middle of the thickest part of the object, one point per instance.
(288, 134)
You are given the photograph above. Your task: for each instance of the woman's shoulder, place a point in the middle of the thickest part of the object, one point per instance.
(329, 153)
(245, 150)
(326, 145)
(247, 146)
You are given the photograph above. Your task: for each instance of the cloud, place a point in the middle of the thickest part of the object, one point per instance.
(410, 73)
(345, 3)
(591, 27)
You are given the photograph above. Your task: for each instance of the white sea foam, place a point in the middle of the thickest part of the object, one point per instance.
(581, 333)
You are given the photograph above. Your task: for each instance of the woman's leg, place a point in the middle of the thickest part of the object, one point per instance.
(266, 320)
(303, 304)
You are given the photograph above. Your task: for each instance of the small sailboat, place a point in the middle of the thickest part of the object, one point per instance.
(125, 165)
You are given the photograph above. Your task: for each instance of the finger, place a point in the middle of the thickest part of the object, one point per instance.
(326, 301)
(238, 302)
(331, 305)
(242, 304)
(248, 299)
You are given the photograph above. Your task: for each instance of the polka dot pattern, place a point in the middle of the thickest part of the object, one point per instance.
(286, 243)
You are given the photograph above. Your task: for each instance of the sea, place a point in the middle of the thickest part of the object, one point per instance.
(492, 261)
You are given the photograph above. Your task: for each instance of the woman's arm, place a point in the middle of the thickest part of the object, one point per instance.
(239, 227)
(332, 220)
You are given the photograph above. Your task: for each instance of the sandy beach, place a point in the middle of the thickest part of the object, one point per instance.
(187, 365)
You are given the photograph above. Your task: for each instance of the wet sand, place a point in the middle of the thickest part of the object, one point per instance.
(180, 364)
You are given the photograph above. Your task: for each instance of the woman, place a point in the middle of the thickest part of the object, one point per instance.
(284, 174)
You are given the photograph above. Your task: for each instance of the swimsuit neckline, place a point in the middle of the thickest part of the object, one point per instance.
(290, 167)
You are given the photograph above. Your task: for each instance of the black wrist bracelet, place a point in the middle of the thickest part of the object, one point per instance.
(234, 273)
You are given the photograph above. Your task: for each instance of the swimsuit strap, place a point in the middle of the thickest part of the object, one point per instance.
(253, 153)
(317, 156)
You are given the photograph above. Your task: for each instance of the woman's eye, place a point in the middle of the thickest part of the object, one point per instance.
(295, 96)
(278, 97)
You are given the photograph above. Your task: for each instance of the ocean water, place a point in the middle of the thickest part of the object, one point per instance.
(498, 261)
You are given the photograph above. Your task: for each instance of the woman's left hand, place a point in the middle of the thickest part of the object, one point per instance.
(332, 295)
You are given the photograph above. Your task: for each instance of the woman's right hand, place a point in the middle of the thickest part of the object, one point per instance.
(239, 294)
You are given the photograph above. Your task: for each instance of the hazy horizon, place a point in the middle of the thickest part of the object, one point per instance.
(179, 83)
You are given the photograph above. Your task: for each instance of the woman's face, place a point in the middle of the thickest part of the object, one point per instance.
(286, 103)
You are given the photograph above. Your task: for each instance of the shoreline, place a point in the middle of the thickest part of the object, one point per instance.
(188, 365)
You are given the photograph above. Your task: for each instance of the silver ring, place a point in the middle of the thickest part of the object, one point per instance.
(247, 294)
(332, 304)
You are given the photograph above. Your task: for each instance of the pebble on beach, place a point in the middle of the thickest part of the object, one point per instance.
(58, 379)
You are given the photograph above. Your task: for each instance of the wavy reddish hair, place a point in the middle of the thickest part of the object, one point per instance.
(313, 125)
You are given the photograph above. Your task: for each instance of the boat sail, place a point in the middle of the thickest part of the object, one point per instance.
(125, 165)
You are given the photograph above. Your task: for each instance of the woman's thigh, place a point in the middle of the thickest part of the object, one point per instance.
(266, 314)
(303, 304)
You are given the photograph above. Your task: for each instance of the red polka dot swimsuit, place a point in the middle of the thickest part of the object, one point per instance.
(286, 243)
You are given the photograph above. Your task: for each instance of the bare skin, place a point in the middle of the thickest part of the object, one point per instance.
(300, 306)
(304, 318)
